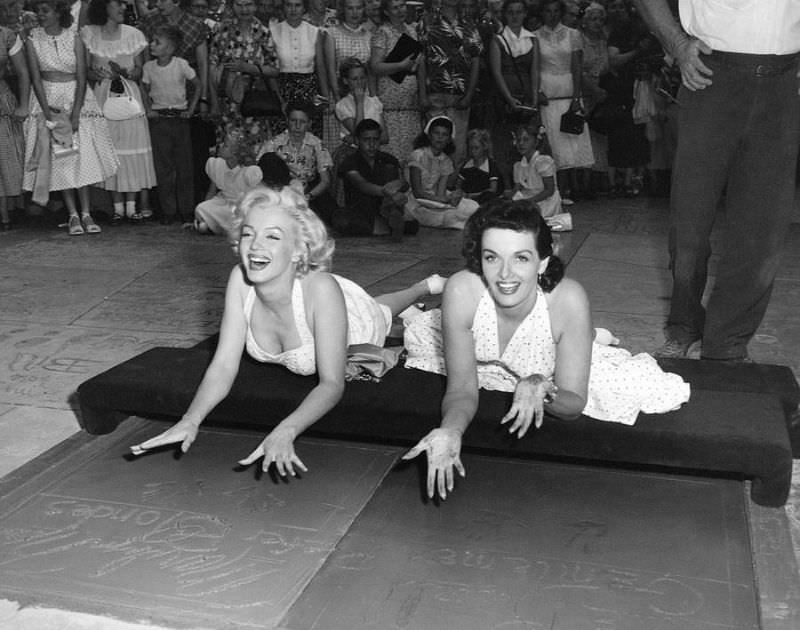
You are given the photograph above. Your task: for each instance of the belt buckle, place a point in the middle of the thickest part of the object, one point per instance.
(763, 71)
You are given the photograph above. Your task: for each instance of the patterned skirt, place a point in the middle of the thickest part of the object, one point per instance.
(12, 145)
(131, 140)
(95, 161)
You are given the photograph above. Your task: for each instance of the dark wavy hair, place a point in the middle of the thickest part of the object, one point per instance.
(300, 106)
(97, 13)
(511, 215)
(61, 8)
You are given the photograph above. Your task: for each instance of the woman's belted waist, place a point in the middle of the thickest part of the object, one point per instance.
(54, 76)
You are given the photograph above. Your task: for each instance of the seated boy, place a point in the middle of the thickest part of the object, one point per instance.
(374, 189)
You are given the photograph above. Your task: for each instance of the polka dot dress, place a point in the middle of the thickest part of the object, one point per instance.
(620, 384)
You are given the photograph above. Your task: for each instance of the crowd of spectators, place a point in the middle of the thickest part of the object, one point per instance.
(501, 74)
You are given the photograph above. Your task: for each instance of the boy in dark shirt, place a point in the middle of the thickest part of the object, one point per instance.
(374, 189)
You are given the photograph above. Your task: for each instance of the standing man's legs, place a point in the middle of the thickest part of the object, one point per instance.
(739, 133)
(759, 203)
(708, 131)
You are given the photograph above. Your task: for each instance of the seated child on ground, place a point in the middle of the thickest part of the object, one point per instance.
(535, 174)
(430, 168)
(229, 180)
(479, 177)
(375, 192)
(356, 105)
(306, 158)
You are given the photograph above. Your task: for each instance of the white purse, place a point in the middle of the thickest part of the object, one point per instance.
(122, 105)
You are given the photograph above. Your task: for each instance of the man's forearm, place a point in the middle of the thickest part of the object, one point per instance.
(657, 15)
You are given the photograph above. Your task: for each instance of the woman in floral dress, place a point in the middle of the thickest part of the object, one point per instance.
(301, 60)
(243, 53)
(400, 100)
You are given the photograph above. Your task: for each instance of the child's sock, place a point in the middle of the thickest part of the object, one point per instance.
(118, 209)
(130, 208)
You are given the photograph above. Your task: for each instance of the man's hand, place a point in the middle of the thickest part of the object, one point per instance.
(695, 74)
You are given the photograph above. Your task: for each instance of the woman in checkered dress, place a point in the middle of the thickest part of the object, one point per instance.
(12, 113)
(348, 38)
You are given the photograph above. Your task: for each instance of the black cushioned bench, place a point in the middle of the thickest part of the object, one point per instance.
(734, 425)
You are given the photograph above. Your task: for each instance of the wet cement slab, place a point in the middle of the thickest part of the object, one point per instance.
(186, 541)
(27, 431)
(527, 545)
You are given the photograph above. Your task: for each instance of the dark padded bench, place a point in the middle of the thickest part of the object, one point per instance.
(734, 425)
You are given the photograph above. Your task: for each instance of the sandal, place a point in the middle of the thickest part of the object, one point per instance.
(136, 217)
(116, 219)
(89, 224)
(74, 226)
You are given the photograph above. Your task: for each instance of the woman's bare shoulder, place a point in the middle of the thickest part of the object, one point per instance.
(319, 287)
(465, 281)
(568, 293)
(237, 283)
(462, 293)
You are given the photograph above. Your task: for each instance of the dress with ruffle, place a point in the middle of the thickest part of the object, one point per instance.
(12, 143)
(620, 385)
(131, 138)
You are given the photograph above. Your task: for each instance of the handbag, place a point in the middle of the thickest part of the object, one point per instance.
(572, 123)
(404, 47)
(526, 108)
(260, 103)
(120, 103)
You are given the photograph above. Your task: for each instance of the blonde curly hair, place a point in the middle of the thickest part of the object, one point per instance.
(315, 245)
